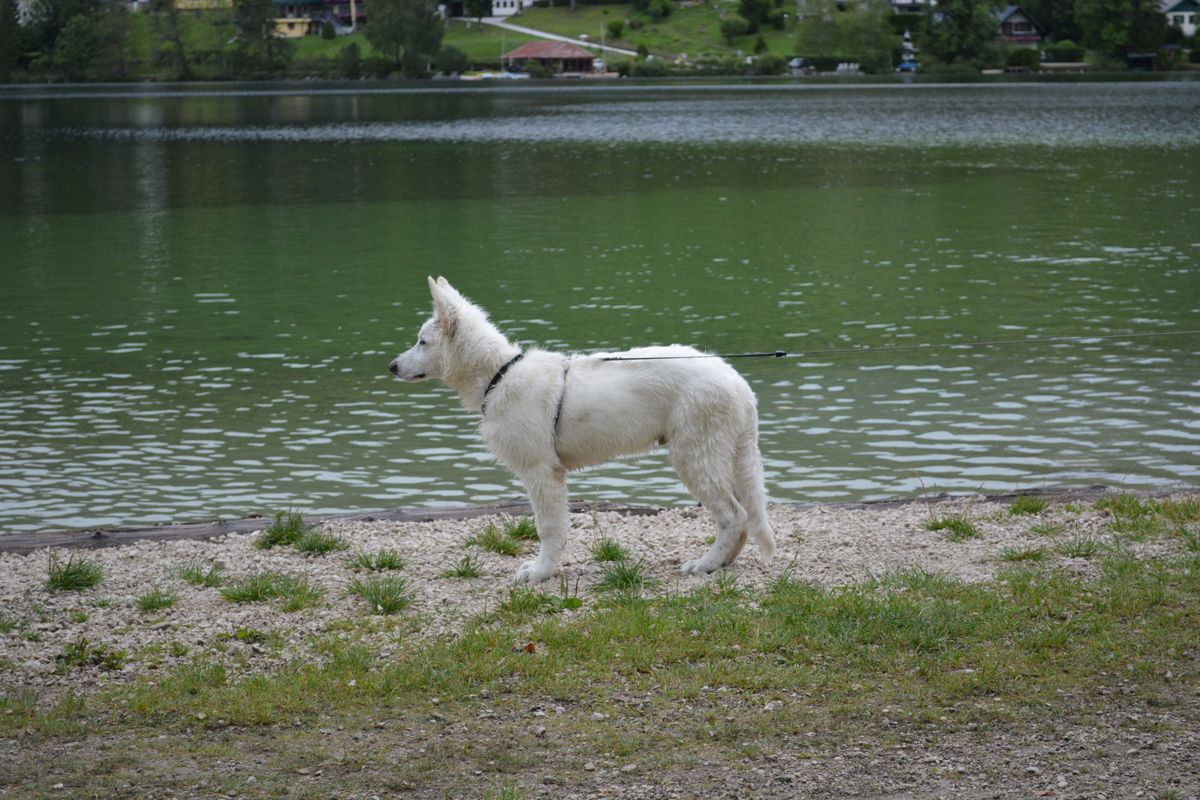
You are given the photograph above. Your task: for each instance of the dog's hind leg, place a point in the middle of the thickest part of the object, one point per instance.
(716, 493)
(548, 495)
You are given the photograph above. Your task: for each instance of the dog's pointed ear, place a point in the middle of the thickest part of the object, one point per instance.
(443, 305)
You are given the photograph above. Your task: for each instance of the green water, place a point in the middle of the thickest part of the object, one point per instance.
(203, 288)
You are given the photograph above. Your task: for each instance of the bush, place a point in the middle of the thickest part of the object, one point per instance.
(537, 69)
(1066, 50)
(1025, 58)
(328, 31)
(1194, 56)
(350, 61)
(615, 28)
(449, 60)
(651, 68)
(733, 27)
(760, 45)
(769, 65)
(660, 9)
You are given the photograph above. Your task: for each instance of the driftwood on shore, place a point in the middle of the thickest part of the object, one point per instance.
(25, 542)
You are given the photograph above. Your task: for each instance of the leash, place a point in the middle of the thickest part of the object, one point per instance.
(902, 347)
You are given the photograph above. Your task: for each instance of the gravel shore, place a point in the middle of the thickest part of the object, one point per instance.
(825, 544)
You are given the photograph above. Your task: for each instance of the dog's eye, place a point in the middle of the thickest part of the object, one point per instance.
(422, 342)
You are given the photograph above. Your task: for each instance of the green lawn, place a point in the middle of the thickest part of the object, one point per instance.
(481, 44)
(695, 31)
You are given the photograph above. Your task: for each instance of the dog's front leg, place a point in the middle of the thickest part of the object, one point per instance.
(548, 495)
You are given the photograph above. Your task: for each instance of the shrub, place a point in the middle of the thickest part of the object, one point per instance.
(450, 60)
(73, 576)
(769, 65)
(1025, 58)
(537, 69)
(350, 61)
(733, 27)
(651, 68)
(660, 9)
(328, 31)
(1066, 50)
(616, 27)
(1028, 504)
(957, 529)
(760, 45)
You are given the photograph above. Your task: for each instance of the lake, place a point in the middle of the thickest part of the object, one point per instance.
(203, 286)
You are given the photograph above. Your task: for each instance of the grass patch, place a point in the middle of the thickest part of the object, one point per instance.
(379, 561)
(257, 588)
(82, 652)
(1079, 546)
(1047, 529)
(1028, 504)
(197, 574)
(1018, 554)
(383, 595)
(287, 529)
(318, 543)
(73, 575)
(498, 541)
(156, 600)
(624, 576)
(957, 529)
(468, 567)
(523, 529)
(294, 592)
(607, 550)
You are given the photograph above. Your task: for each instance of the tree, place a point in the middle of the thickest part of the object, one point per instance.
(755, 12)
(961, 30)
(1115, 26)
(410, 31)
(10, 38)
(48, 19)
(1057, 18)
(733, 27)
(449, 60)
(76, 47)
(114, 27)
(168, 23)
(861, 33)
(258, 49)
(478, 9)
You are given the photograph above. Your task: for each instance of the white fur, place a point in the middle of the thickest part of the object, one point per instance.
(701, 410)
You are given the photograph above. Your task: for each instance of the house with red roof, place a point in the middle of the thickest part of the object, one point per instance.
(559, 57)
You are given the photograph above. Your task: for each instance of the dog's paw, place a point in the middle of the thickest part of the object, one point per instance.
(698, 566)
(532, 572)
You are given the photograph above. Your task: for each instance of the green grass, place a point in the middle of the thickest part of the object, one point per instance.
(73, 575)
(156, 600)
(287, 529)
(293, 592)
(1079, 546)
(1028, 505)
(468, 567)
(379, 561)
(623, 576)
(318, 543)
(1047, 529)
(523, 529)
(497, 540)
(82, 652)
(1017, 554)
(201, 575)
(383, 595)
(957, 529)
(607, 550)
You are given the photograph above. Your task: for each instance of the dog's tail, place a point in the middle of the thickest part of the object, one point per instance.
(752, 494)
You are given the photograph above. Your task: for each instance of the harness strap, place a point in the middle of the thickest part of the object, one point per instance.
(496, 379)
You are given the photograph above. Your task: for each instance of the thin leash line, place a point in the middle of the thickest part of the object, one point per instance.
(898, 348)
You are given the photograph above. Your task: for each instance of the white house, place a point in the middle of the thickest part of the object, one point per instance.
(1181, 14)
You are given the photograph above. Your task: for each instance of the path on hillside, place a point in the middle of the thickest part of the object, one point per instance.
(499, 22)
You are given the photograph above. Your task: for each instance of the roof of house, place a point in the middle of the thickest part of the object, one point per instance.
(1179, 5)
(553, 50)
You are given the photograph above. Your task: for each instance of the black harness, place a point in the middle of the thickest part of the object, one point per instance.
(500, 374)
(496, 379)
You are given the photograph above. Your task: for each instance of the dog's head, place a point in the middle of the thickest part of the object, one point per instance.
(426, 360)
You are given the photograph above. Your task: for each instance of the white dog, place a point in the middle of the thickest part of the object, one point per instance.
(544, 414)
